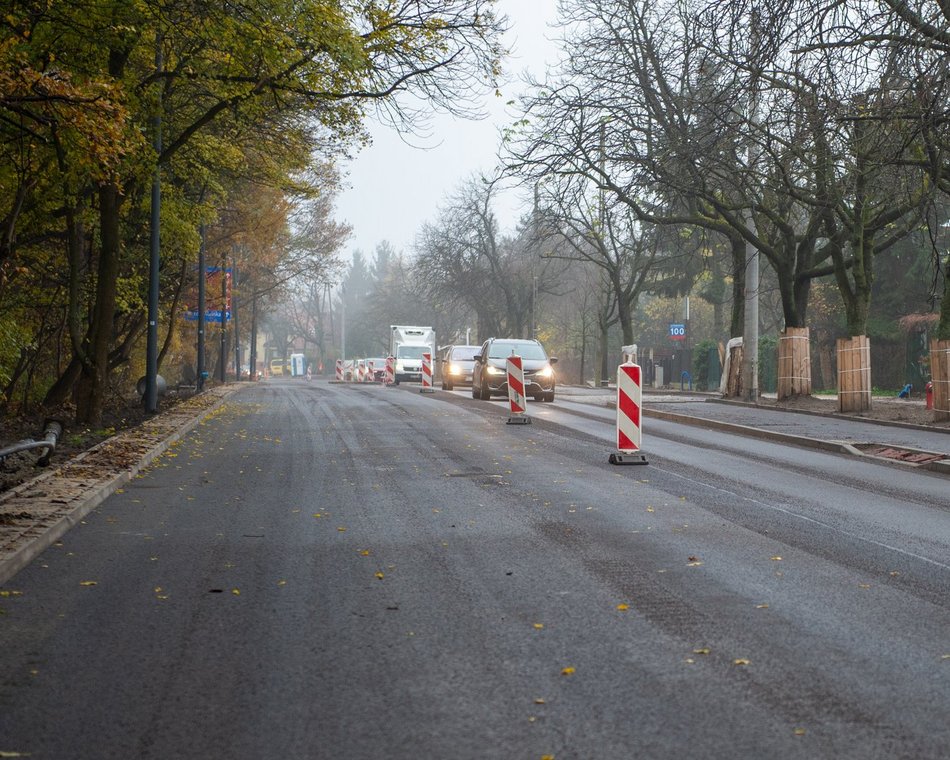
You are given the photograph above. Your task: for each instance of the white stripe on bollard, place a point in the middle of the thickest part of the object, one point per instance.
(516, 399)
(629, 405)
(426, 373)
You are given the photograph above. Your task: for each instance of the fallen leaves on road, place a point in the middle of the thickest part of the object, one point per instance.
(568, 671)
(88, 583)
(623, 606)
(740, 661)
(379, 575)
(702, 650)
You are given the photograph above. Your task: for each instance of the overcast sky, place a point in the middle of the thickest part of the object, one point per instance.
(394, 187)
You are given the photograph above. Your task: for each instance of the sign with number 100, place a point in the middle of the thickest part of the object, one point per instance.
(678, 332)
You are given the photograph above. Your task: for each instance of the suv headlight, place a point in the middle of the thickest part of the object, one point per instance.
(492, 370)
(547, 371)
(455, 369)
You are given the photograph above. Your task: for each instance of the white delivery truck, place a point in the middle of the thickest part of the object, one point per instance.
(408, 344)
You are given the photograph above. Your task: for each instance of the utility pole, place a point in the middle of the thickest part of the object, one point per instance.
(234, 319)
(223, 362)
(750, 328)
(150, 397)
(202, 275)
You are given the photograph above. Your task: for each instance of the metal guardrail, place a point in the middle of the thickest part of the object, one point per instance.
(52, 431)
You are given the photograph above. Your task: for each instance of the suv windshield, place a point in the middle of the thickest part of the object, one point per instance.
(464, 353)
(501, 349)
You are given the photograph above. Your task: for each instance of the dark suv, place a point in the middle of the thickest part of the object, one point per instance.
(490, 375)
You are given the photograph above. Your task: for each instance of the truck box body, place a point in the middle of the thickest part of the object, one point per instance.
(408, 343)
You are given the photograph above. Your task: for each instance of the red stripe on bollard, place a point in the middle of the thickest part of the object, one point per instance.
(516, 398)
(426, 373)
(629, 402)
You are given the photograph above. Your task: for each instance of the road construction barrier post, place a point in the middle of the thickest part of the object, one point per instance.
(390, 370)
(516, 398)
(370, 371)
(426, 373)
(339, 371)
(629, 403)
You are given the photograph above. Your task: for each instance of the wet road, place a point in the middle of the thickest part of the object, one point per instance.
(324, 571)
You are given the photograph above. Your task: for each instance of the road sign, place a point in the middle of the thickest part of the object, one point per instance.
(677, 331)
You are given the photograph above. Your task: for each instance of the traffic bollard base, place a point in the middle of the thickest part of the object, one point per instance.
(621, 457)
(519, 419)
(426, 390)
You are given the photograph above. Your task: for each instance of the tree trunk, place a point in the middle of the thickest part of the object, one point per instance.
(854, 374)
(93, 381)
(940, 374)
(794, 363)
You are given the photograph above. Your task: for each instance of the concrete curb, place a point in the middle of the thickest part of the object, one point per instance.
(76, 499)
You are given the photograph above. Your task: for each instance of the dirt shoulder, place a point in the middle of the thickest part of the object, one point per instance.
(118, 418)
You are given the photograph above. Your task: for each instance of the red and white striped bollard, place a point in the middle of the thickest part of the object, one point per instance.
(426, 373)
(629, 406)
(339, 370)
(517, 401)
(390, 370)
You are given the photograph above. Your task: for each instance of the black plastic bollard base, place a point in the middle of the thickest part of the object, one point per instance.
(519, 419)
(622, 458)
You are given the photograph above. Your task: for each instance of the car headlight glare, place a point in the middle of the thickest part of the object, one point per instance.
(455, 369)
(546, 372)
(494, 370)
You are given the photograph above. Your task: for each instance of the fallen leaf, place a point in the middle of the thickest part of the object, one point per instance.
(281, 583)
(538, 626)
(88, 583)
(540, 701)
(623, 607)
(690, 661)
(568, 671)
(691, 558)
(379, 575)
(702, 650)
(761, 606)
(799, 732)
(776, 558)
(864, 585)
(341, 529)
(364, 553)
(236, 591)
(740, 661)
(697, 563)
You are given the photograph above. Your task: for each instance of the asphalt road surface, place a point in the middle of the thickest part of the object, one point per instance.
(328, 571)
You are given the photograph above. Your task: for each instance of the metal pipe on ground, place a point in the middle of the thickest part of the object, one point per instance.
(52, 431)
